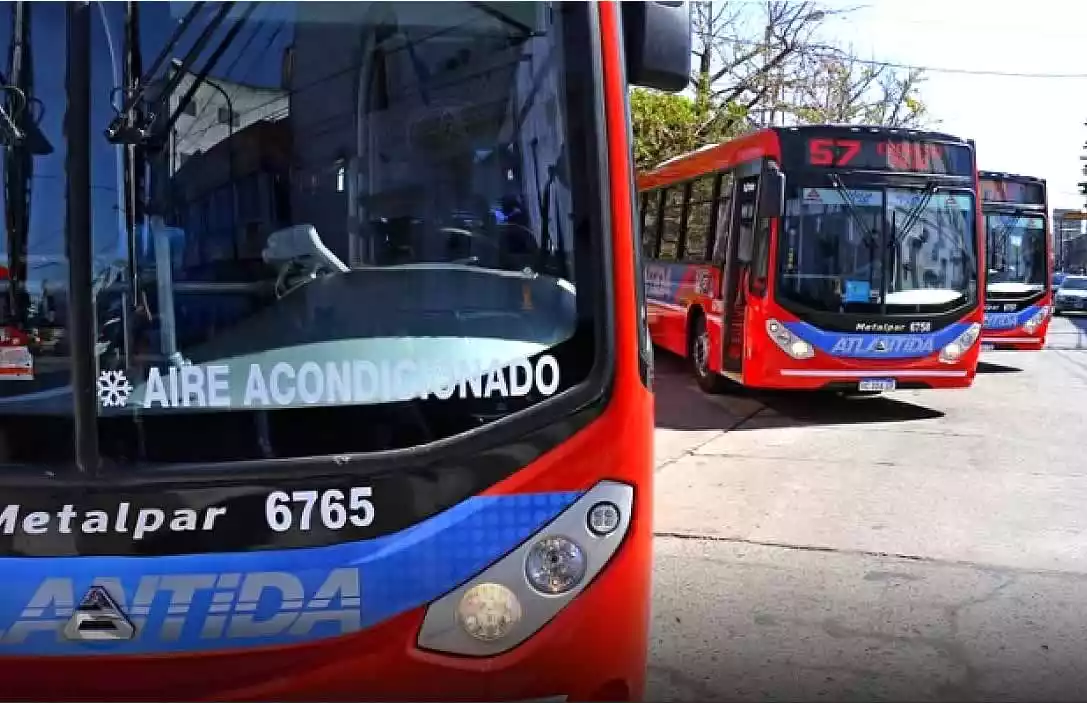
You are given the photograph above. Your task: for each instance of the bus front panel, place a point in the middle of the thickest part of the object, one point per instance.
(360, 430)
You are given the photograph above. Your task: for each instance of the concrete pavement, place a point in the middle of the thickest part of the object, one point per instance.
(918, 546)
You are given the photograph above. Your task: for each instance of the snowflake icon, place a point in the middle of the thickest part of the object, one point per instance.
(113, 389)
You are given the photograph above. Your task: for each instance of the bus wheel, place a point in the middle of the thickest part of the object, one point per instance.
(699, 354)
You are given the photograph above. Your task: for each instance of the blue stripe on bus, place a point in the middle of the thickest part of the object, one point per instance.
(192, 603)
(876, 346)
(1010, 320)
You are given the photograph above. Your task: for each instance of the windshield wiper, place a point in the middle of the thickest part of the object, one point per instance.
(912, 217)
(505, 18)
(868, 234)
(126, 127)
(999, 234)
(18, 125)
(915, 213)
(18, 128)
(18, 172)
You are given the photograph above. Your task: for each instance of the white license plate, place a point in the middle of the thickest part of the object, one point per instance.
(877, 384)
(988, 347)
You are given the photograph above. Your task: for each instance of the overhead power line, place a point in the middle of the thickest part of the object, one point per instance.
(942, 69)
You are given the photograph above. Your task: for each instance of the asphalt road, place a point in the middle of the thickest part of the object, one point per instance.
(920, 546)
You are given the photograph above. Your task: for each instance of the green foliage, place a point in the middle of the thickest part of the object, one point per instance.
(664, 125)
(667, 125)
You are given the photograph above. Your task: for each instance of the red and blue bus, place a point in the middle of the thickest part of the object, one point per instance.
(819, 257)
(1018, 291)
(347, 390)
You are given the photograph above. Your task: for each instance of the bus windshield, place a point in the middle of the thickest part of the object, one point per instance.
(361, 230)
(869, 249)
(1017, 251)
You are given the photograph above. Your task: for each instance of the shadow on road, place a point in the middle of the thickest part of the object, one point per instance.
(990, 367)
(785, 409)
(681, 405)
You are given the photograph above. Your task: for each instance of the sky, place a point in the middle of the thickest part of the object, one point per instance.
(1028, 125)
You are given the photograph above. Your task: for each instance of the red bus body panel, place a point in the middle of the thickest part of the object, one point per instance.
(595, 649)
(1019, 339)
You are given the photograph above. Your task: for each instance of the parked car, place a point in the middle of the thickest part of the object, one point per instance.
(1071, 296)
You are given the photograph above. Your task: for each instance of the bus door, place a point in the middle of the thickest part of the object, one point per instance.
(737, 269)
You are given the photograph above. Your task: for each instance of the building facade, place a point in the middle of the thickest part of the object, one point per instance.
(1069, 239)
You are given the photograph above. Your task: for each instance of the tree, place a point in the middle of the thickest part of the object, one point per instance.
(845, 90)
(755, 65)
(667, 125)
(747, 55)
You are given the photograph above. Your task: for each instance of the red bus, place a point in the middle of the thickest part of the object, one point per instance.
(1018, 291)
(820, 257)
(356, 408)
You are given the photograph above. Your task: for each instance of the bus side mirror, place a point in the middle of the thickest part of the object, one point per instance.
(657, 43)
(772, 193)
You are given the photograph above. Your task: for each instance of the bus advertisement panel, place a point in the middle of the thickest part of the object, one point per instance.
(819, 257)
(1018, 292)
(350, 392)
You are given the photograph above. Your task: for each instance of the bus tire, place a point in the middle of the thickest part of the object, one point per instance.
(698, 349)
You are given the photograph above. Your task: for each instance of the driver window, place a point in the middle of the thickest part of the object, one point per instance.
(724, 220)
(746, 244)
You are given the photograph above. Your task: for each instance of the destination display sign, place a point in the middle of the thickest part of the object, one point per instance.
(878, 152)
(1016, 192)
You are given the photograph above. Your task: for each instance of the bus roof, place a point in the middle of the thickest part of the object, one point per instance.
(763, 142)
(1002, 191)
(1004, 176)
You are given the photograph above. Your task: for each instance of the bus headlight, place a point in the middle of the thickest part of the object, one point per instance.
(488, 611)
(789, 343)
(1036, 319)
(554, 565)
(954, 350)
(517, 595)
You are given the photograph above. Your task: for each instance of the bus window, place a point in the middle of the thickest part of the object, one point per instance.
(671, 222)
(651, 223)
(724, 220)
(699, 216)
(761, 262)
(747, 202)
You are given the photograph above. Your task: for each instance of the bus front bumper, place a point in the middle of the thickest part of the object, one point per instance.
(1013, 339)
(774, 370)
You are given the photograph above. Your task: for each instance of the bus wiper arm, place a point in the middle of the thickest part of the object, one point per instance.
(128, 127)
(27, 136)
(915, 214)
(851, 208)
(198, 79)
(504, 18)
(145, 81)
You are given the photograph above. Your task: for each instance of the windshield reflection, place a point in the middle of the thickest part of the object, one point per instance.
(933, 244)
(33, 264)
(305, 193)
(1017, 250)
(864, 249)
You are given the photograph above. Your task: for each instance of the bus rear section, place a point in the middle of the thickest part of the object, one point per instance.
(351, 394)
(818, 258)
(1018, 291)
